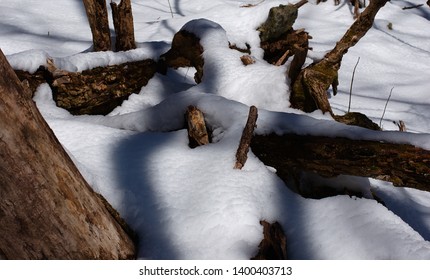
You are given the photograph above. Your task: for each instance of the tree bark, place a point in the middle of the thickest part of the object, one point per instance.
(124, 27)
(401, 164)
(96, 91)
(47, 210)
(196, 126)
(98, 19)
(245, 140)
(274, 243)
(309, 92)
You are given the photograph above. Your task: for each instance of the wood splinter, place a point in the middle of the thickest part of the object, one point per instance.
(245, 140)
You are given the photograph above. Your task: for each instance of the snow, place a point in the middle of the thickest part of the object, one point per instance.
(190, 203)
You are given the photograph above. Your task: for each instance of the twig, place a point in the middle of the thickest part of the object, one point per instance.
(383, 113)
(412, 7)
(352, 81)
(170, 6)
(245, 140)
(252, 5)
(282, 58)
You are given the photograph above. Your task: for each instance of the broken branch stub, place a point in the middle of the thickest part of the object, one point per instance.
(245, 140)
(197, 132)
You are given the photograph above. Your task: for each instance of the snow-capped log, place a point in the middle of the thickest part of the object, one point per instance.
(290, 154)
(101, 89)
(47, 209)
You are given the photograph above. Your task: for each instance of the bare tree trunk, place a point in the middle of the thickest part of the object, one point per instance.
(310, 88)
(98, 19)
(123, 23)
(47, 210)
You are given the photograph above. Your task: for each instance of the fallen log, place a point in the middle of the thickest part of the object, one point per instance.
(403, 165)
(96, 91)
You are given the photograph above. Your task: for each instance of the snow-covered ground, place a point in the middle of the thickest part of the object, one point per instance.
(190, 203)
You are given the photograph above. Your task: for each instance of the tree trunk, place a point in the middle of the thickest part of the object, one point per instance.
(309, 91)
(290, 154)
(47, 210)
(98, 19)
(123, 24)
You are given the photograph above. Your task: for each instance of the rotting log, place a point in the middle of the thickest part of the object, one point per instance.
(123, 24)
(96, 91)
(101, 89)
(274, 243)
(47, 209)
(98, 19)
(309, 92)
(403, 165)
(196, 126)
(245, 140)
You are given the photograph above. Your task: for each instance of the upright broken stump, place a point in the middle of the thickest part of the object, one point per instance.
(245, 140)
(196, 126)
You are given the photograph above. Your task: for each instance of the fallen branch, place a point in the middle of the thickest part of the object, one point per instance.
(309, 92)
(245, 140)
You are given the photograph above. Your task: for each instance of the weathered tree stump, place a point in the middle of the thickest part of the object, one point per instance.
(278, 38)
(274, 243)
(124, 27)
(98, 19)
(47, 210)
(196, 126)
(186, 51)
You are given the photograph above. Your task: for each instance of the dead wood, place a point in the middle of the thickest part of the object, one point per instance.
(309, 92)
(186, 51)
(196, 126)
(124, 27)
(278, 38)
(401, 164)
(47, 210)
(96, 91)
(245, 140)
(274, 243)
(98, 19)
